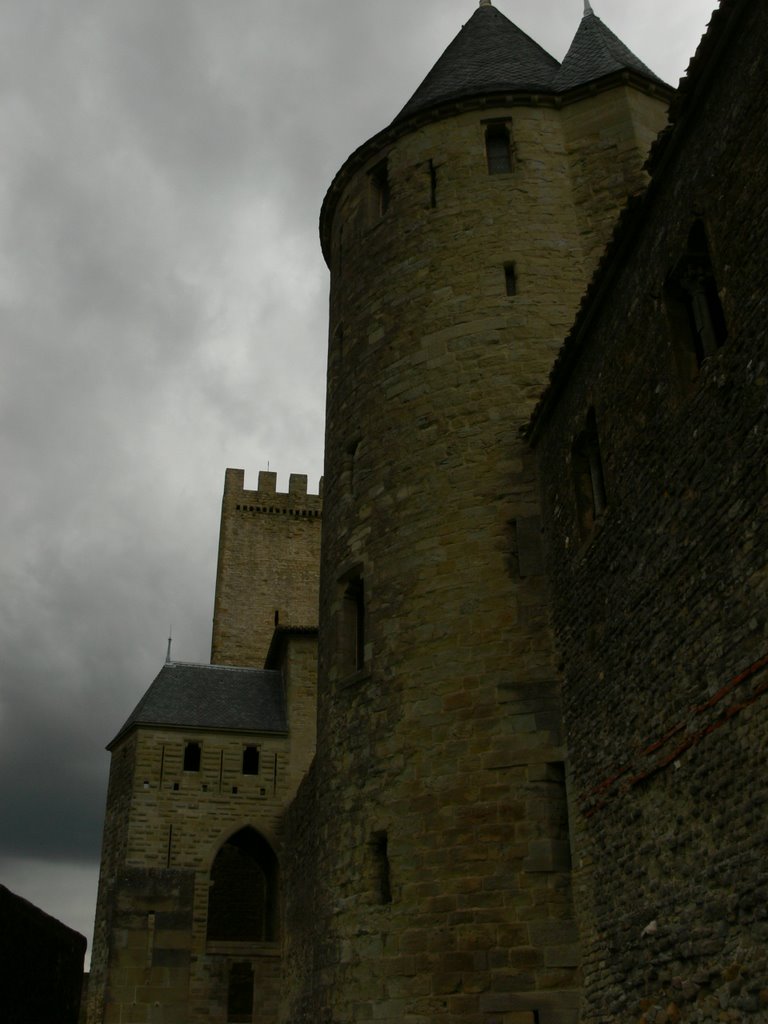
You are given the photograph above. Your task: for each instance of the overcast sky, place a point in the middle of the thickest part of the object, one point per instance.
(163, 305)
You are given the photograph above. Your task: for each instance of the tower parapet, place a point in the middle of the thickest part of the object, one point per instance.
(296, 499)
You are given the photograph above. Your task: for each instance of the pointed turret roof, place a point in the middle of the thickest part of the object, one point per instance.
(595, 52)
(490, 54)
(492, 61)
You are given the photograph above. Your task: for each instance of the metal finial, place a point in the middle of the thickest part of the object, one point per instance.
(588, 7)
(486, 3)
(168, 655)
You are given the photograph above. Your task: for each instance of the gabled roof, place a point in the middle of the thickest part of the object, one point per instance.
(211, 697)
(594, 53)
(490, 54)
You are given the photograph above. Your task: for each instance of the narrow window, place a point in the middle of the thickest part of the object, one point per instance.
(588, 476)
(510, 278)
(559, 821)
(251, 761)
(350, 463)
(432, 184)
(498, 149)
(240, 994)
(338, 344)
(379, 176)
(352, 632)
(379, 847)
(192, 757)
(693, 306)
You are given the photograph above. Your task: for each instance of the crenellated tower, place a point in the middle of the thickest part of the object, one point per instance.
(269, 551)
(431, 839)
(190, 891)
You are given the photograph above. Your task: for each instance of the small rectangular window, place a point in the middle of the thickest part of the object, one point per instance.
(379, 846)
(510, 278)
(192, 757)
(379, 177)
(498, 148)
(251, 761)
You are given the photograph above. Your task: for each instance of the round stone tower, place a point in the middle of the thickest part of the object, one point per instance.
(434, 827)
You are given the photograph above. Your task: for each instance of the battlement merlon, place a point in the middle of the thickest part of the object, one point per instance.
(267, 498)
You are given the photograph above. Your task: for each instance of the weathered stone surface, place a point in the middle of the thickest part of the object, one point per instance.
(660, 611)
(440, 738)
(153, 959)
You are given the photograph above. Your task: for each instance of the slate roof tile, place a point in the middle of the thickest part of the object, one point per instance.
(212, 697)
(594, 53)
(490, 54)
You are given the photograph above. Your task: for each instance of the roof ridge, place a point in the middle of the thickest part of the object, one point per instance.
(212, 665)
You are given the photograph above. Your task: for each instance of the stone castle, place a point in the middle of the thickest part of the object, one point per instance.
(483, 735)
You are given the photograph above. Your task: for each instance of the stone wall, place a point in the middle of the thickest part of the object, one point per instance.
(298, 662)
(164, 828)
(269, 558)
(661, 600)
(604, 134)
(153, 960)
(41, 965)
(438, 839)
(113, 845)
(175, 821)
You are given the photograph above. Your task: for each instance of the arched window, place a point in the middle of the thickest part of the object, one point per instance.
(588, 476)
(693, 305)
(242, 900)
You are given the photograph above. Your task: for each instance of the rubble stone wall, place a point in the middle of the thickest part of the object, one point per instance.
(661, 606)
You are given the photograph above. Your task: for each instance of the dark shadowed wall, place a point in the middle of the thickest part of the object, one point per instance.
(660, 584)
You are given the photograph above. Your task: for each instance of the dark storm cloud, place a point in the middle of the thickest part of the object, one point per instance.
(162, 316)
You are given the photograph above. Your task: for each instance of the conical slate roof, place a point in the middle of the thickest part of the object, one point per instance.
(595, 52)
(489, 55)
